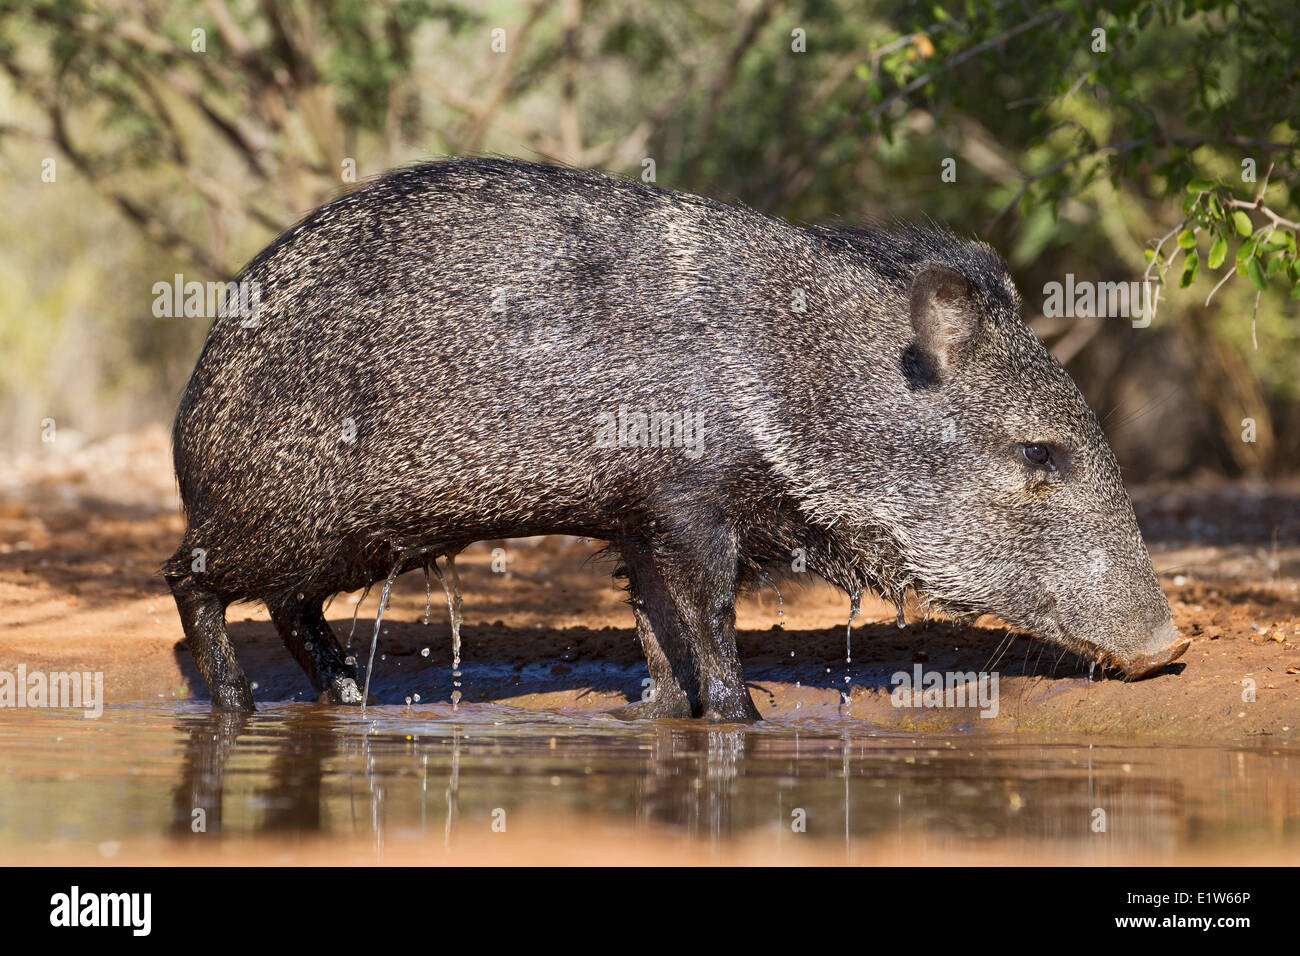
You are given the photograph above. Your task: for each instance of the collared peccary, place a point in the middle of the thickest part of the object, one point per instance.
(482, 348)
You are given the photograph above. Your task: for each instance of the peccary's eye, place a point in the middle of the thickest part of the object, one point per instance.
(1039, 456)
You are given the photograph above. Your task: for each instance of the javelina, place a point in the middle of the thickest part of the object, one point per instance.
(481, 348)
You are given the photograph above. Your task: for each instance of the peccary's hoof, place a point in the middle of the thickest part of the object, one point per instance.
(342, 690)
(237, 696)
(734, 711)
(659, 707)
(1149, 664)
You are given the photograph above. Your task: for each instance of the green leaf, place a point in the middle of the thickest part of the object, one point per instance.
(1200, 185)
(1187, 239)
(1256, 274)
(1189, 270)
(1274, 264)
(1218, 252)
(1244, 252)
(1242, 222)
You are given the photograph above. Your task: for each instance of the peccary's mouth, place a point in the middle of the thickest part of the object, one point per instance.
(1164, 647)
(1137, 667)
(1141, 666)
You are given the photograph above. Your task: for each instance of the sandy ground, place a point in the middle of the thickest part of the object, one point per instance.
(83, 529)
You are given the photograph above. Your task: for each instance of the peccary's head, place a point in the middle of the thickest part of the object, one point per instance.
(1014, 503)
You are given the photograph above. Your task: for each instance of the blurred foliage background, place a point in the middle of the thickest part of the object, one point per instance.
(140, 139)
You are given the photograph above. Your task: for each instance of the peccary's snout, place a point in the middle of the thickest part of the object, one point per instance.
(1121, 618)
(1163, 647)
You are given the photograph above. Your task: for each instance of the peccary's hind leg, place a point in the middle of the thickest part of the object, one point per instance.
(203, 616)
(672, 671)
(308, 637)
(338, 676)
(698, 565)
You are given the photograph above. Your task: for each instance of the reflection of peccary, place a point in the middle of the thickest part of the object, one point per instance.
(482, 349)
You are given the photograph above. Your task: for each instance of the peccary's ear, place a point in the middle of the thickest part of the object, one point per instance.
(945, 318)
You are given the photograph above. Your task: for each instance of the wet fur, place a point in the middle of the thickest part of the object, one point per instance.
(471, 318)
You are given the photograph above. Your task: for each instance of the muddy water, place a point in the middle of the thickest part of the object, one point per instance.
(414, 784)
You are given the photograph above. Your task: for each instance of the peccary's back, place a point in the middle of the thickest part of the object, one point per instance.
(440, 350)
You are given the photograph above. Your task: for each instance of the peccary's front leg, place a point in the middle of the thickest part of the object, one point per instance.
(668, 656)
(698, 566)
(307, 635)
(203, 616)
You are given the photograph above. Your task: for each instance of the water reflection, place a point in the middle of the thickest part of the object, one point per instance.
(431, 774)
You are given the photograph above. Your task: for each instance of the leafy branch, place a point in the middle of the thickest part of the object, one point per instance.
(1262, 253)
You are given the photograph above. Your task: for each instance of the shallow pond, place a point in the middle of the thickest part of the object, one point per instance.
(487, 782)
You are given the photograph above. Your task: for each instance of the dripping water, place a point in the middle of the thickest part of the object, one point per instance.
(374, 639)
(451, 587)
(428, 591)
(855, 607)
(355, 611)
(780, 605)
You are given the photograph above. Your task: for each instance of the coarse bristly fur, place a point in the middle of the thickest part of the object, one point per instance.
(437, 356)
